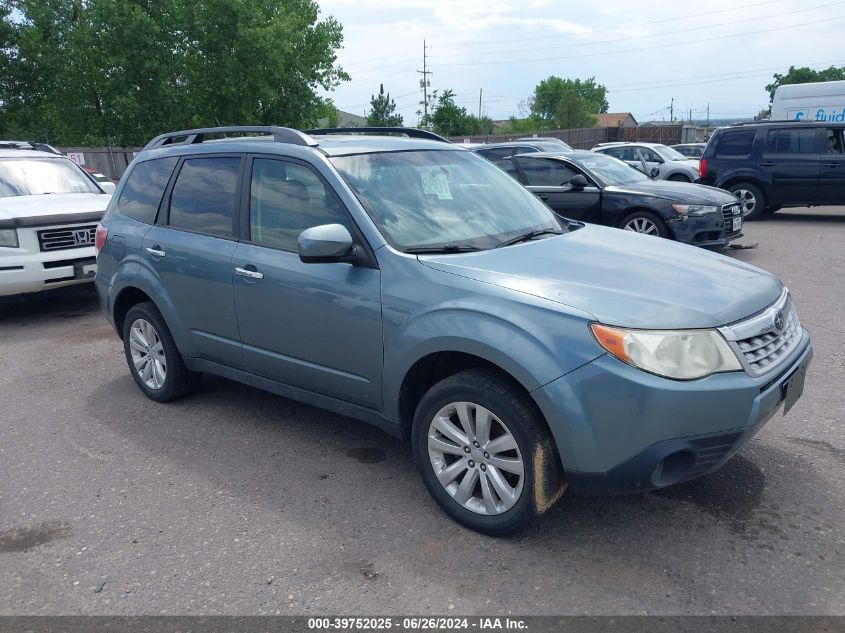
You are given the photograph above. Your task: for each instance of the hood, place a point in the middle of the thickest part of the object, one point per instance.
(623, 278)
(681, 192)
(29, 210)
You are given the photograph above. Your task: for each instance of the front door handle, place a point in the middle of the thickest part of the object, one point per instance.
(251, 274)
(831, 164)
(768, 163)
(155, 251)
(543, 198)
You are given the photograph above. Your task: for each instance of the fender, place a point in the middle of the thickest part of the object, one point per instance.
(749, 174)
(534, 357)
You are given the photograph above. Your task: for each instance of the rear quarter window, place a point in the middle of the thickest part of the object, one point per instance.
(735, 144)
(144, 188)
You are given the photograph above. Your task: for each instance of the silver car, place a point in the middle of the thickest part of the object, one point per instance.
(661, 162)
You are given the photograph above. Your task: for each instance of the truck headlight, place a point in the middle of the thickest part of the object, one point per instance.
(678, 354)
(694, 209)
(9, 238)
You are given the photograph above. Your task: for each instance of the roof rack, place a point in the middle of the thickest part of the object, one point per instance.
(775, 121)
(32, 145)
(279, 134)
(410, 132)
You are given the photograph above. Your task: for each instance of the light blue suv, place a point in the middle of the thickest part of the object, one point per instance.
(408, 283)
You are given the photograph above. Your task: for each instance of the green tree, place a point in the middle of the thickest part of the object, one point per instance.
(804, 75)
(89, 71)
(567, 103)
(450, 119)
(383, 110)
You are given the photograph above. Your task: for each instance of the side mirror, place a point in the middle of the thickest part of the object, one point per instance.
(325, 244)
(654, 173)
(579, 182)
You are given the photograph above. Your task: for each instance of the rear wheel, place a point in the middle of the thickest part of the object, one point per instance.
(752, 199)
(645, 222)
(484, 453)
(154, 361)
(678, 178)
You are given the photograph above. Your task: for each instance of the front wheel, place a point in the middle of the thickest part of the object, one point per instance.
(646, 223)
(484, 453)
(678, 178)
(152, 355)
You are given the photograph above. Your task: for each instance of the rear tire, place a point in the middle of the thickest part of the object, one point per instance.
(646, 223)
(484, 452)
(154, 360)
(678, 178)
(753, 200)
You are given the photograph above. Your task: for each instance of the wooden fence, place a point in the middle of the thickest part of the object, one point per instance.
(587, 138)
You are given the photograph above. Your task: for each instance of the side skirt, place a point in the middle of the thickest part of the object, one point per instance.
(320, 401)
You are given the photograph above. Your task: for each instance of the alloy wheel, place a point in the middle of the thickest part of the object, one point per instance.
(147, 354)
(475, 458)
(642, 225)
(747, 199)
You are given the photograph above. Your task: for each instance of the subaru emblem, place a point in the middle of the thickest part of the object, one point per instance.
(780, 321)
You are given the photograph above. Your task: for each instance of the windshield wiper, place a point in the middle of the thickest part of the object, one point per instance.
(530, 235)
(447, 248)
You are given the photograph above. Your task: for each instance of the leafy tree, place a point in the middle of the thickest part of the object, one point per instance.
(88, 71)
(383, 110)
(804, 75)
(448, 118)
(567, 103)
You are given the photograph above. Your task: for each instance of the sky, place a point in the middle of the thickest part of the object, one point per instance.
(646, 52)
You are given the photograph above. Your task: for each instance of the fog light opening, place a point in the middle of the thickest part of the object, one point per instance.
(672, 468)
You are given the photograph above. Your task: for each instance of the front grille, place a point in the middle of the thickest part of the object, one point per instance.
(728, 215)
(67, 237)
(763, 352)
(764, 341)
(710, 451)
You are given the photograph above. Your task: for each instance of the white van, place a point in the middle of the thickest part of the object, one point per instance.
(822, 101)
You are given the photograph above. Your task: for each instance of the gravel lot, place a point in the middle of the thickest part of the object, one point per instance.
(235, 501)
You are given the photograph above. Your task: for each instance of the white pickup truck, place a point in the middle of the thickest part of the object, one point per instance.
(49, 211)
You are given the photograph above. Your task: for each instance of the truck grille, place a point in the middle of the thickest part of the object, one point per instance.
(728, 215)
(764, 341)
(67, 237)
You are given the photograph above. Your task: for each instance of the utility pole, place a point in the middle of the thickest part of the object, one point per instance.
(708, 114)
(480, 91)
(425, 83)
(672, 110)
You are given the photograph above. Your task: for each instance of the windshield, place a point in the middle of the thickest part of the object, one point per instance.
(438, 198)
(667, 153)
(610, 170)
(31, 176)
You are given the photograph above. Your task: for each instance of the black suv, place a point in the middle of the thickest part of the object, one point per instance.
(774, 164)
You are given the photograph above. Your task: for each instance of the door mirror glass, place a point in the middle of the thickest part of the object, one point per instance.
(579, 181)
(324, 244)
(654, 173)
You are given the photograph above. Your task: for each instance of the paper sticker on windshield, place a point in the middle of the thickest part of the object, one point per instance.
(435, 183)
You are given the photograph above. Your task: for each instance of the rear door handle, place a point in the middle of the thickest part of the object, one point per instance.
(831, 164)
(251, 274)
(543, 198)
(768, 163)
(155, 251)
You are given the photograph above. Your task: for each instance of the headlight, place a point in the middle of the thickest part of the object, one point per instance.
(694, 209)
(9, 238)
(678, 354)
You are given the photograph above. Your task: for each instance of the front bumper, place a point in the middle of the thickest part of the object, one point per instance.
(34, 272)
(706, 230)
(622, 430)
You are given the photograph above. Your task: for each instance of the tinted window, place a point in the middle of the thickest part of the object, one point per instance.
(791, 141)
(835, 141)
(496, 153)
(622, 153)
(144, 187)
(548, 173)
(735, 143)
(650, 156)
(286, 199)
(203, 197)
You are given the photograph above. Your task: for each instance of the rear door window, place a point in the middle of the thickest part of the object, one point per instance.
(204, 197)
(144, 188)
(735, 143)
(545, 173)
(791, 141)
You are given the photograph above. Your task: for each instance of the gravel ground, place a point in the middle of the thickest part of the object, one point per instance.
(235, 501)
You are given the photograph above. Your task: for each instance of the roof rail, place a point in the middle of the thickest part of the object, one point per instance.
(410, 132)
(32, 145)
(279, 134)
(776, 121)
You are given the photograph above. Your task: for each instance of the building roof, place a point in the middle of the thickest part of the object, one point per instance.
(614, 119)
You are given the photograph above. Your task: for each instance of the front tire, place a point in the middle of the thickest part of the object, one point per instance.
(484, 453)
(678, 178)
(753, 200)
(154, 360)
(646, 223)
